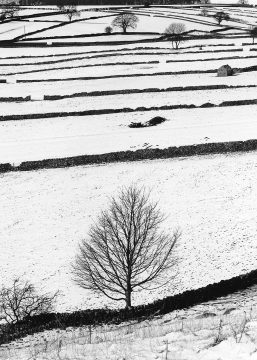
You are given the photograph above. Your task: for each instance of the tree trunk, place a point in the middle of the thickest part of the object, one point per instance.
(128, 297)
(128, 300)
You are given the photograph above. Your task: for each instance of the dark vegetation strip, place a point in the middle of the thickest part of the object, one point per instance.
(212, 59)
(127, 91)
(128, 49)
(20, 117)
(125, 54)
(24, 44)
(246, 69)
(126, 63)
(90, 35)
(184, 300)
(118, 76)
(83, 66)
(86, 52)
(33, 43)
(147, 90)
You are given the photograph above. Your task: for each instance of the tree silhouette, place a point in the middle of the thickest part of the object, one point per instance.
(175, 33)
(253, 32)
(125, 249)
(220, 16)
(124, 21)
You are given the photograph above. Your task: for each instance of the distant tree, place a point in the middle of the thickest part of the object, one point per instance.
(243, 2)
(9, 10)
(205, 1)
(71, 11)
(175, 33)
(2, 16)
(220, 16)
(147, 3)
(125, 249)
(124, 21)
(21, 300)
(108, 29)
(253, 32)
(60, 4)
(204, 12)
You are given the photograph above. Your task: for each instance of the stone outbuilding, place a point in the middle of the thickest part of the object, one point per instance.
(225, 70)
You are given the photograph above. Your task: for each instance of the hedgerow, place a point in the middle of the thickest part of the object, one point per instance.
(183, 300)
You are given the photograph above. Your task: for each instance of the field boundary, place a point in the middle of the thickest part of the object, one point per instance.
(183, 72)
(141, 154)
(22, 117)
(126, 92)
(184, 300)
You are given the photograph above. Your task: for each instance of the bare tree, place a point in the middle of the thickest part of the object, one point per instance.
(71, 11)
(21, 300)
(124, 21)
(220, 16)
(175, 33)
(253, 32)
(125, 249)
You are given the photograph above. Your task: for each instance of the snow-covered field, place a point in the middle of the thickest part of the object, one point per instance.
(212, 199)
(71, 136)
(77, 135)
(115, 84)
(38, 139)
(48, 212)
(130, 101)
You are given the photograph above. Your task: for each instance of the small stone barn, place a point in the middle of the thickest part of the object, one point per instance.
(225, 70)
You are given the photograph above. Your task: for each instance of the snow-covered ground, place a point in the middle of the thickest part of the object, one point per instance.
(212, 199)
(153, 19)
(147, 100)
(149, 82)
(129, 56)
(11, 30)
(226, 335)
(62, 72)
(47, 213)
(71, 136)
